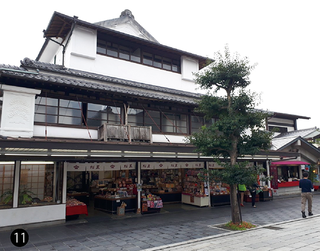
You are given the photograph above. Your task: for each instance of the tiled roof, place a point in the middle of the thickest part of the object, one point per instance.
(278, 143)
(305, 133)
(57, 74)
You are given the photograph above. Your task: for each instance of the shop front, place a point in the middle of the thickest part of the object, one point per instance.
(219, 191)
(102, 186)
(139, 187)
(286, 176)
(175, 182)
(31, 192)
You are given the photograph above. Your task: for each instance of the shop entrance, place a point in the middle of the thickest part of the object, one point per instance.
(113, 188)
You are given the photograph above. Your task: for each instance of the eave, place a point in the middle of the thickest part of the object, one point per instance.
(60, 26)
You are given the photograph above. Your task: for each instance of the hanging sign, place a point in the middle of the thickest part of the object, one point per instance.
(147, 165)
(197, 164)
(127, 165)
(174, 165)
(186, 165)
(94, 166)
(112, 166)
(76, 167)
(214, 165)
(161, 165)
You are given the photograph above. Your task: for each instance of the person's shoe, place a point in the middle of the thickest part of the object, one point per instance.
(254, 206)
(241, 205)
(303, 215)
(310, 214)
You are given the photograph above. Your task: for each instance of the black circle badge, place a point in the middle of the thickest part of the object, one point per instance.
(19, 237)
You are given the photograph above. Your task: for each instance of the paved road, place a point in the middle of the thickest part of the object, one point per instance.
(175, 224)
(294, 235)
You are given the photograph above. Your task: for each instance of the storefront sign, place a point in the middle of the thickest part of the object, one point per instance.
(127, 165)
(76, 167)
(94, 166)
(112, 166)
(174, 165)
(214, 165)
(186, 165)
(161, 165)
(147, 165)
(197, 164)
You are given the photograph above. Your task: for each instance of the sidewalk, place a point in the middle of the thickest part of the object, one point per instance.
(180, 227)
(298, 235)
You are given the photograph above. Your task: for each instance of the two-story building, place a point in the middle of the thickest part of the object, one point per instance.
(101, 117)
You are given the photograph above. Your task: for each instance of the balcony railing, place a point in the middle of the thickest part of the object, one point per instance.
(129, 133)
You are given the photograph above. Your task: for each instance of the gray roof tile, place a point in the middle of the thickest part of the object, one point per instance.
(58, 74)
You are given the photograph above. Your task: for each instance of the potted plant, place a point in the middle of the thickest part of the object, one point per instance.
(25, 196)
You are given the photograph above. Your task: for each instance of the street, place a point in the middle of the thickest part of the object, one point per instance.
(177, 225)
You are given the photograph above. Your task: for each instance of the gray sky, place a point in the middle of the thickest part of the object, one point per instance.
(281, 36)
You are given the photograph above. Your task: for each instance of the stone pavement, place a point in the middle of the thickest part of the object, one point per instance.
(299, 234)
(279, 226)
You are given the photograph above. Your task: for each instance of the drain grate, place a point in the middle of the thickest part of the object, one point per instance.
(273, 227)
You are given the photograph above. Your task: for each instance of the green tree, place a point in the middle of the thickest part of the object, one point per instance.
(239, 127)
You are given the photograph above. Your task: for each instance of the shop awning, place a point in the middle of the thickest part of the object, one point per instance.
(290, 163)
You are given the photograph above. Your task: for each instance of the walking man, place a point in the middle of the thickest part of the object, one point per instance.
(306, 185)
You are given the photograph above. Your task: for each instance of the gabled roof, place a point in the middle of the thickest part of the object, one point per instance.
(57, 75)
(127, 24)
(61, 25)
(279, 144)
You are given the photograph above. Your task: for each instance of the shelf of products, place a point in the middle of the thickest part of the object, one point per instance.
(114, 188)
(194, 189)
(219, 194)
(110, 204)
(165, 183)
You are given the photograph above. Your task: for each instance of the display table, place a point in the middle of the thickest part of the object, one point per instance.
(195, 200)
(289, 184)
(169, 197)
(111, 204)
(76, 210)
(80, 196)
(151, 206)
(266, 195)
(220, 199)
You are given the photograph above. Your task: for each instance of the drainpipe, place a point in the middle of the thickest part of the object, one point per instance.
(64, 46)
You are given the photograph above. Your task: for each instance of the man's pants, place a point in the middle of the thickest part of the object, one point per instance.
(304, 197)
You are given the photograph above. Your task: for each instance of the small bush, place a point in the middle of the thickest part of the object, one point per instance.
(241, 226)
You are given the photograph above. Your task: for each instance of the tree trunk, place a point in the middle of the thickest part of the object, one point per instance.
(235, 210)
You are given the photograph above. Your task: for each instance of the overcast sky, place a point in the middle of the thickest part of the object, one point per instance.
(281, 36)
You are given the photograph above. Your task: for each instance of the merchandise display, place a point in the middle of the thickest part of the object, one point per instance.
(116, 189)
(194, 191)
(219, 193)
(150, 203)
(219, 188)
(166, 183)
(81, 196)
(192, 184)
(75, 207)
